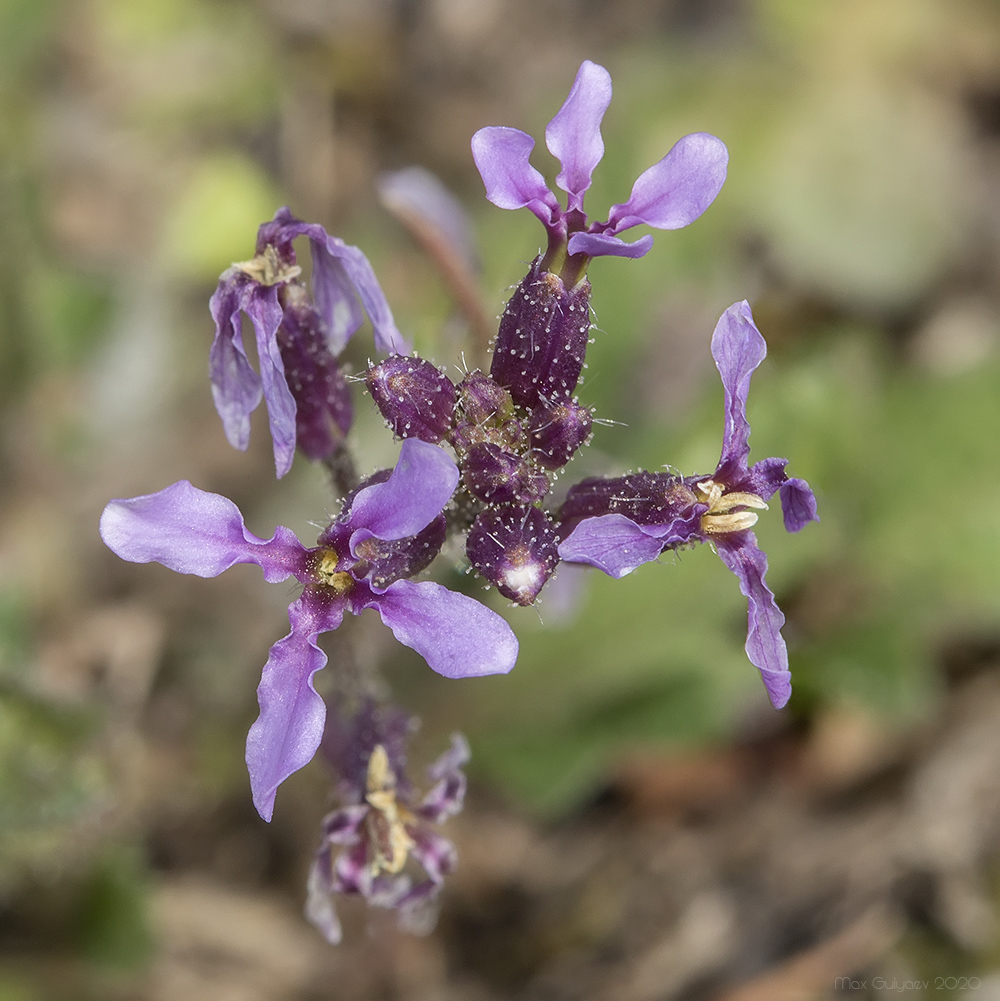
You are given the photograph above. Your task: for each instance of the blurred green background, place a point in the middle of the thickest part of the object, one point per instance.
(140, 146)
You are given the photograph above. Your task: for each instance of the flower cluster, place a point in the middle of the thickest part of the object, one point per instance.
(477, 461)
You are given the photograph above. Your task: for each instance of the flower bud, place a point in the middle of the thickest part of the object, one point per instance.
(500, 477)
(557, 431)
(416, 399)
(514, 548)
(542, 338)
(646, 498)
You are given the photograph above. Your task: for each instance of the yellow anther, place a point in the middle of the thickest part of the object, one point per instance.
(720, 517)
(389, 841)
(267, 268)
(325, 569)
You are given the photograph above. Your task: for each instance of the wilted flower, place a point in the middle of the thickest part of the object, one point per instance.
(618, 524)
(298, 338)
(389, 530)
(374, 843)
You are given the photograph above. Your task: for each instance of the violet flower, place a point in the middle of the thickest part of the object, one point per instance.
(669, 195)
(618, 524)
(298, 341)
(384, 833)
(389, 530)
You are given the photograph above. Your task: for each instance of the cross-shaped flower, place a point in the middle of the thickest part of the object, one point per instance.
(389, 530)
(669, 195)
(618, 524)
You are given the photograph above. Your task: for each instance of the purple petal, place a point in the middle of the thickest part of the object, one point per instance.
(675, 191)
(765, 646)
(602, 245)
(420, 486)
(341, 275)
(501, 156)
(319, 901)
(336, 299)
(574, 135)
(434, 852)
(236, 386)
(738, 348)
(330, 251)
(763, 478)
(798, 504)
(341, 826)
(448, 794)
(612, 543)
(455, 634)
(289, 728)
(196, 532)
(262, 306)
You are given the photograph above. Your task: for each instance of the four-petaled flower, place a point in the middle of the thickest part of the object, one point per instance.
(669, 195)
(621, 523)
(389, 530)
(298, 339)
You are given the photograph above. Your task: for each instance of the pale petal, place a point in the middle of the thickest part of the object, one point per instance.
(289, 728)
(458, 636)
(501, 156)
(420, 486)
(236, 387)
(765, 646)
(738, 348)
(262, 306)
(574, 134)
(612, 543)
(602, 245)
(196, 532)
(676, 190)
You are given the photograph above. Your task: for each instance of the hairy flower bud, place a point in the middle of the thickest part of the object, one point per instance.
(557, 431)
(484, 401)
(416, 399)
(499, 477)
(514, 548)
(542, 338)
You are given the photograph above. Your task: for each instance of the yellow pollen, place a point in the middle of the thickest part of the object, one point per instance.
(388, 839)
(720, 517)
(325, 569)
(267, 269)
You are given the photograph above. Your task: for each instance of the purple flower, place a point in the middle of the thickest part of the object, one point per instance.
(297, 341)
(618, 524)
(371, 843)
(669, 195)
(389, 529)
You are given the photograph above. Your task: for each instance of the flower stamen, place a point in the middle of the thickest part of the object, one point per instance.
(268, 269)
(389, 841)
(720, 517)
(326, 573)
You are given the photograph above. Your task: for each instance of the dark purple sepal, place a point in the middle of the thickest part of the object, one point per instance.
(514, 548)
(500, 477)
(542, 338)
(382, 561)
(483, 400)
(323, 410)
(416, 399)
(557, 431)
(645, 498)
